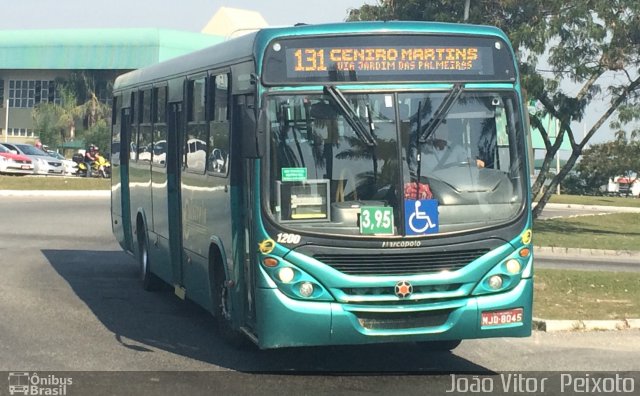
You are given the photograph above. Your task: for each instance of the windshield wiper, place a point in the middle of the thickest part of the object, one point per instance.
(350, 115)
(440, 113)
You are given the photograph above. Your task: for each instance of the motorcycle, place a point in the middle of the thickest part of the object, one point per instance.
(101, 167)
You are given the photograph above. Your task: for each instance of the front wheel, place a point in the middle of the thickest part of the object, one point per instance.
(222, 314)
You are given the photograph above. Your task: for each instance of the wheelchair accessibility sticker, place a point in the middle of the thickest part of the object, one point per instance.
(421, 217)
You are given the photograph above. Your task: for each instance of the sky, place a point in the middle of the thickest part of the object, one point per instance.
(189, 15)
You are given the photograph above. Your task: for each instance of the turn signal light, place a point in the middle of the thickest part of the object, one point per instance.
(525, 252)
(270, 262)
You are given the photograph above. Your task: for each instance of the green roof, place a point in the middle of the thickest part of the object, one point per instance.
(79, 49)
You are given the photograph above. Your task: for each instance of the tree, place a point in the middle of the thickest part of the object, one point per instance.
(79, 107)
(593, 45)
(616, 158)
(595, 167)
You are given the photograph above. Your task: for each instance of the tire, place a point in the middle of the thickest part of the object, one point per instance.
(448, 345)
(150, 281)
(224, 328)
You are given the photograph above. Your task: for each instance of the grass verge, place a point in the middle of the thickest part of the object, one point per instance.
(52, 183)
(618, 231)
(565, 294)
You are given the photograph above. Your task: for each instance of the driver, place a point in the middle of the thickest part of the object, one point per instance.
(439, 152)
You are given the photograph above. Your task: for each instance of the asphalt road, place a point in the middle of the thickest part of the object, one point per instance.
(70, 301)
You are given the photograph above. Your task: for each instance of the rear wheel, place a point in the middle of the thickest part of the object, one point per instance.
(150, 281)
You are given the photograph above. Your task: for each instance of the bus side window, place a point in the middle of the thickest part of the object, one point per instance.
(218, 158)
(144, 126)
(197, 133)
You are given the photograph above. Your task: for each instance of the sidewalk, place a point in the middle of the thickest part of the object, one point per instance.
(55, 193)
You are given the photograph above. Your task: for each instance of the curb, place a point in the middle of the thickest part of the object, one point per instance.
(608, 209)
(555, 251)
(552, 326)
(55, 193)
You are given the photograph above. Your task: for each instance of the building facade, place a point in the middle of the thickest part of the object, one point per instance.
(33, 61)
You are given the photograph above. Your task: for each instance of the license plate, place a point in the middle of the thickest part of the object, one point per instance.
(507, 316)
(25, 167)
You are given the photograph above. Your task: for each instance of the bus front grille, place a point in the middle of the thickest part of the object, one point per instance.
(402, 320)
(401, 263)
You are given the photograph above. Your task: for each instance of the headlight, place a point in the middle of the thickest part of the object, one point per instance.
(42, 161)
(306, 289)
(285, 274)
(504, 276)
(495, 282)
(292, 281)
(513, 266)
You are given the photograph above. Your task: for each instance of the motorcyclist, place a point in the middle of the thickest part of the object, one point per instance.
(101, 164)
(89, 158)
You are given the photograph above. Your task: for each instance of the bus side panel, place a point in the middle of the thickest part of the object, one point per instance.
(160, 209)
(206, 212)
(140, 191)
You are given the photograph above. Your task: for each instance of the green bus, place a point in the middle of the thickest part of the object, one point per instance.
(346, 183)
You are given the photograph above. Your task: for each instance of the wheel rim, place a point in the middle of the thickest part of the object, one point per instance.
(144, 260)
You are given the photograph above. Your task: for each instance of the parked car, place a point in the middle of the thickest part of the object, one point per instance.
(70, 167)
(14, 164)
(43, 163)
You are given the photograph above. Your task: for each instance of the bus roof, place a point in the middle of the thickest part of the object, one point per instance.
(251, 46)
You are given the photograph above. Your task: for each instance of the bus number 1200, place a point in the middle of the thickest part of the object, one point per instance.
(284, 237)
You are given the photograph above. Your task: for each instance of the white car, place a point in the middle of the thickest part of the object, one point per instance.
(70, 167)
(43, 163)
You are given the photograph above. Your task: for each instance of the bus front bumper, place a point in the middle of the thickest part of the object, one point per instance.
(284, 322)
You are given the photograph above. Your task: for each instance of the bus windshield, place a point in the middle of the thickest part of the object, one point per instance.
(463, 151)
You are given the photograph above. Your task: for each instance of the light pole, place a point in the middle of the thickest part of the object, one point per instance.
(6, 121)
(467, 4)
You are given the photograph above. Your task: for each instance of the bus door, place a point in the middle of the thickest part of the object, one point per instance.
(123, 172)
(174, 168)
(242, 104)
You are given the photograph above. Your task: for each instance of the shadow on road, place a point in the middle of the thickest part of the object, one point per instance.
(106, 281)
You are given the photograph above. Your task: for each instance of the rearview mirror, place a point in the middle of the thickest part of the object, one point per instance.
(254, 131)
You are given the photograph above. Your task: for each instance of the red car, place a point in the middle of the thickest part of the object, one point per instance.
(16, 164)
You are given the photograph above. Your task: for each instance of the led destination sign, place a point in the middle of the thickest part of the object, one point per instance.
(388, 58)
(309, 60)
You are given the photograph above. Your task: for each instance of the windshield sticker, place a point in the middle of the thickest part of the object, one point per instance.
(376, 220)
(421, 216)
(294, 174)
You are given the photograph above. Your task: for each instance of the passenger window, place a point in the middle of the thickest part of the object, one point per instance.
(160, 127)
(145, 145)
(218, 158)
(197, 133)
